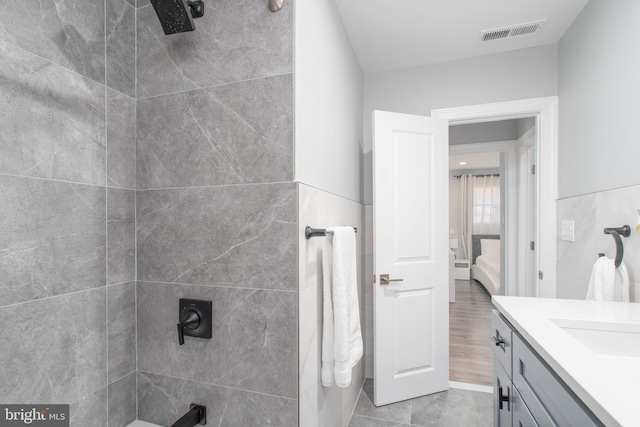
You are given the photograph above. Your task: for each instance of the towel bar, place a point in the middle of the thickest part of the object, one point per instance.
(315, 232)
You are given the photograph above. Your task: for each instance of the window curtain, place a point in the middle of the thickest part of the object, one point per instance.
(486, 204)
(465, 216)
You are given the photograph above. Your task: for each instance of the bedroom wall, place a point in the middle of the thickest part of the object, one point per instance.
(502, 130)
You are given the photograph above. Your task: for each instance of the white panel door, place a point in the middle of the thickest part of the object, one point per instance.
(411, 249)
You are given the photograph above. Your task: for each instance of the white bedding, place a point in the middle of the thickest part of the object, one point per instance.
(490, 266)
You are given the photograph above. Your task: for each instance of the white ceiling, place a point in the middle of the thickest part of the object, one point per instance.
(396, 34)
(474, 161)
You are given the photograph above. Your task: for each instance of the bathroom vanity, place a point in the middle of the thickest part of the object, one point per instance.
(565, 362)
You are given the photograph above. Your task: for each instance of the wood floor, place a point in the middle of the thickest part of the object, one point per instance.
(470, 358)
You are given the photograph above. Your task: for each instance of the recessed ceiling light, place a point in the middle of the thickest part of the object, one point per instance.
(462, 163)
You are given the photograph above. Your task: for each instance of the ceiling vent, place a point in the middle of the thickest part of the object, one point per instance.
(511, 31)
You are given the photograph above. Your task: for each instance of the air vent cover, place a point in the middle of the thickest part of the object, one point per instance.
(511, 31)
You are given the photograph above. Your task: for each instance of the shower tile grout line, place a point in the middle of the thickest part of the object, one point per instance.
(215, 286)
(54, 296)
(106, 205)
(269, 76)
(135, 200)
(65, 181)
(239, 184)
(294, 399)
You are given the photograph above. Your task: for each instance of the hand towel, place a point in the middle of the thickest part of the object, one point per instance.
(327, 314)
(622, 270)
(602, 284)
(340, 300)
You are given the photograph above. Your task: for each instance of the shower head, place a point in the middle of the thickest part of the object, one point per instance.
(176, 16)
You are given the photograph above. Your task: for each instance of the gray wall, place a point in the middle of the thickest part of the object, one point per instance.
(526, 73)
(502, 130)
(216, 215)
(599, 181)
(67, 204)
(599, 90)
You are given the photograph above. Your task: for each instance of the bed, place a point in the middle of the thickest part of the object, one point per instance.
(485, 267)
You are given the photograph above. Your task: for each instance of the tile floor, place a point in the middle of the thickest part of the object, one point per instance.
(453, 408)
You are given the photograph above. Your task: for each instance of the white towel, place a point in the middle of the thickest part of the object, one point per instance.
(341, 336)
(602, 285)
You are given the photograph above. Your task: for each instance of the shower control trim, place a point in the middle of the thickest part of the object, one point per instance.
(194, 319)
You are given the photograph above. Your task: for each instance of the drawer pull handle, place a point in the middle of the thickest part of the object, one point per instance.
(498, 341)
(502, 398)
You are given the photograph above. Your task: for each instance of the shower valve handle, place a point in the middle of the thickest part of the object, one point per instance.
(189, 319)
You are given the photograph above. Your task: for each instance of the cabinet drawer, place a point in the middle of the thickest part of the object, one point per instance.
(521, 415)
(548, 399)
(501, 340)
(502, 416)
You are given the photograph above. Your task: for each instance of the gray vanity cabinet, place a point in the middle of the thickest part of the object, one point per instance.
(527, 393)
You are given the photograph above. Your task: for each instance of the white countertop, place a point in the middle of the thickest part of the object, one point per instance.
(609, 385)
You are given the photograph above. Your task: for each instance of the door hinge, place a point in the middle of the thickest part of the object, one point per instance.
(540, 275)
(533, 169)
(532, 245)
(374, 279)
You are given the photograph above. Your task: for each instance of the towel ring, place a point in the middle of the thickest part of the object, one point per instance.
(616, 232)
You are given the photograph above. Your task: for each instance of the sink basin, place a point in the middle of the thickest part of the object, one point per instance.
(604, 338)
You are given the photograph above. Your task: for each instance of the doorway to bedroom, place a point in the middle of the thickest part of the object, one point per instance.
(491, 226)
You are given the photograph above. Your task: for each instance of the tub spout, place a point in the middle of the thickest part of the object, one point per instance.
(196, 415)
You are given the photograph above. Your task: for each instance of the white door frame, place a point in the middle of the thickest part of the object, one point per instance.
(510, 232)
(545, 109)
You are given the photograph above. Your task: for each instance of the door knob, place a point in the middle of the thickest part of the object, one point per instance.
(384, 279)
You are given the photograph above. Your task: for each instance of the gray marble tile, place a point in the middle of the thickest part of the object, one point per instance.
(90, 410)
(121, 46)
(54, 350)
(239, 236)
(575, 259)
(66, 32)
(254, 343)
(53, 238)
(121, 236)
(235, 40)
(52, 119)
(122, 401)
(121, 312)
(362, 421)
(396, 412)
(121, 140)
(162, 400)
(453, 408)
(237, 133)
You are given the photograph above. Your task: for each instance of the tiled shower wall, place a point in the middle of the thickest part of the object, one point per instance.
(216, 215)
(591, 213)
(67, 207)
